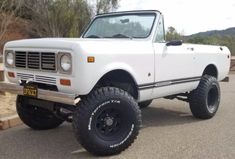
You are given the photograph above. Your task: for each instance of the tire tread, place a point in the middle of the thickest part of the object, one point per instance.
(87, 104)
(197, 97)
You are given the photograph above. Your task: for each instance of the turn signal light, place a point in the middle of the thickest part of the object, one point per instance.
(90, 59)
(11, 74)
(65, 82)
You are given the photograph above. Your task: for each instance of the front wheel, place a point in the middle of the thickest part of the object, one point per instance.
(204, 101)
(107, 121)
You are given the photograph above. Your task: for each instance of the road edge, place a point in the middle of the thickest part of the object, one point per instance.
(10, 122)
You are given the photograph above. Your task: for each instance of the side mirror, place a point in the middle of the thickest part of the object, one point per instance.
(174, 43)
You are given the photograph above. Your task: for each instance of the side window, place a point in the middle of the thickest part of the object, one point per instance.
(160, 32)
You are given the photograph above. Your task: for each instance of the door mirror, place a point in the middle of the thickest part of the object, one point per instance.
(174, 43)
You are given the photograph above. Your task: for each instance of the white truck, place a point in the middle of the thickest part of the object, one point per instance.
(100, 81)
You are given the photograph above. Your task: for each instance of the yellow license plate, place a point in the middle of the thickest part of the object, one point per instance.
(30, 90)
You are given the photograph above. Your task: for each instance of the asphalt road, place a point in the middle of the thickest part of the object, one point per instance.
(169, 131)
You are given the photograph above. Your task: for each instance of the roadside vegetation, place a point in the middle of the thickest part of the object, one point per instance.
(48, 18)
(223, 37)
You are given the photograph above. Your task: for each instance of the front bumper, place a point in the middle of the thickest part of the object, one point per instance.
(42, 94)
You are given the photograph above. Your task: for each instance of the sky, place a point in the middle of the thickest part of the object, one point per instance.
(189, 16)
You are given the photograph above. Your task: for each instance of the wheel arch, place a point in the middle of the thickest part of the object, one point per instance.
(211, 70)
(120, 78)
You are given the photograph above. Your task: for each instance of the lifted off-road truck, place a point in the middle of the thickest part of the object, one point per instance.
(100, 81)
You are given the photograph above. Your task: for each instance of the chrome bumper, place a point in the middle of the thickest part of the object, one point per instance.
(42, 94)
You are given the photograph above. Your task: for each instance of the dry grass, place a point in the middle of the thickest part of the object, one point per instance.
(16, 31)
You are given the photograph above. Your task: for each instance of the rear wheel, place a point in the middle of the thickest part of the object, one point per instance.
(35, 117)
(145, 104)
(204, 101)
(107, 121)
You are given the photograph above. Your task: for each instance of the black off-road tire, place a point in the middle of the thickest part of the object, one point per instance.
(145, 104)
(204, 101)
(107, 121)
(35, 117)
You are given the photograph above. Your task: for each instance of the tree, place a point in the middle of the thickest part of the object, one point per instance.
(53, 18)
(104, 6)
(8, 10)
(62, 18)
(172, 34)
(58, 18)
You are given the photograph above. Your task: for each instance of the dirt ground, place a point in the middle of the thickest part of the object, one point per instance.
(7, 104)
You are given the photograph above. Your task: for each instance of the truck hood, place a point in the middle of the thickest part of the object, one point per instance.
(70, 43)
(47, 43)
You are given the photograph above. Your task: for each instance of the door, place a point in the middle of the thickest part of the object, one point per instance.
(174, 66)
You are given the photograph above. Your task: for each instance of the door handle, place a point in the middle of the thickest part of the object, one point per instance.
(190, 48)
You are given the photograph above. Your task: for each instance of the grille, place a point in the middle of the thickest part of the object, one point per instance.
(20, 59)
(35, 60)
(45, 79)
(48, 61)
(24, 76)
(37, 78)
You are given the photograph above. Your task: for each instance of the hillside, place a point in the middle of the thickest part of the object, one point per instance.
(215, 37)
(230, 32)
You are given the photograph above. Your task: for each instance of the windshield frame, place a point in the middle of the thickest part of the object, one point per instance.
(122, 14)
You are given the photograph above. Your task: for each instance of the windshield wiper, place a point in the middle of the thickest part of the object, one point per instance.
(114, 36)
(121, 36)
(93, 36)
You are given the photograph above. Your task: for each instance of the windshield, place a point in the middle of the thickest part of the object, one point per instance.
(121, 26)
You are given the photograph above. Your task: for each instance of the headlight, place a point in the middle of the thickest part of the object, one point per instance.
(9, 58)
(66, 62)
